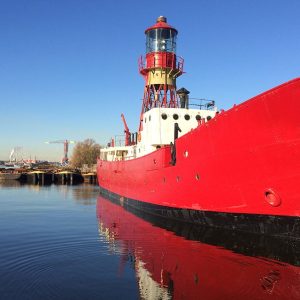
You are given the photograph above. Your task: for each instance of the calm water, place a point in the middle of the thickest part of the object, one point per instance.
(67, 242)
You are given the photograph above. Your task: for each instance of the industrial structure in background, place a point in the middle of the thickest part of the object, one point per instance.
(13, 154)
(65, 159)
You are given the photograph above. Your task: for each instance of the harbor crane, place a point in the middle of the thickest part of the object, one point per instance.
(66, 143)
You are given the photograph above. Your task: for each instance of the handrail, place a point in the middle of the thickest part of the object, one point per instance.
(161, 60)
(206, 104)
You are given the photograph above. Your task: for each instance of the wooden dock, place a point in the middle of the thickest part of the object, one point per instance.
(90, 178)
(44, 177)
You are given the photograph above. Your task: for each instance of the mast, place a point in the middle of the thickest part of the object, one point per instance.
(160, 67)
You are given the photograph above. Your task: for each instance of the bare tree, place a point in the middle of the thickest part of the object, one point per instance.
(85, 152)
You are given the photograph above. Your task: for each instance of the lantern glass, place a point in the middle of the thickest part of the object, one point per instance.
(161, 40)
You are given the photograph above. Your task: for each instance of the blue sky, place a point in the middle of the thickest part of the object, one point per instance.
(68, 69)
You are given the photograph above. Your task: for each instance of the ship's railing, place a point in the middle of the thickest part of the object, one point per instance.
(160, 60)
(202, 103)
(119, 140)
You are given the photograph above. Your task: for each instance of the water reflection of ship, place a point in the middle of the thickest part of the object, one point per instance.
(177, 261)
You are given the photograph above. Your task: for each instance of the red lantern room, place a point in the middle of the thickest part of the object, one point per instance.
(160, 67)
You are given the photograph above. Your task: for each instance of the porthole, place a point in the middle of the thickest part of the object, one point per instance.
(177, 178)
(197, 176)
(175, 117)
(164, 116)
(187, 117)
(164, 180)
(154, 161)
(208, 118)
(198, 117)
(149, 118)
(186, 153)
(145, 120)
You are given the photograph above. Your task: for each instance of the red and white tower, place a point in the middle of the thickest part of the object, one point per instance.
(160, 67)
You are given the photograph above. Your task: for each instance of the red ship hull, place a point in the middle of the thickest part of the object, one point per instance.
(240, 168)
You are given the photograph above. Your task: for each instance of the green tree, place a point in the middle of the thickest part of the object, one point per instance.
(85, 152)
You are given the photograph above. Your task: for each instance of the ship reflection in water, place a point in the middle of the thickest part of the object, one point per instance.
(180, 261)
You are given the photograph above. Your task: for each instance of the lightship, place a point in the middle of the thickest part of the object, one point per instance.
(236, 169)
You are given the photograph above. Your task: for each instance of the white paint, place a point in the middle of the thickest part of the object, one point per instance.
(158, 132)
